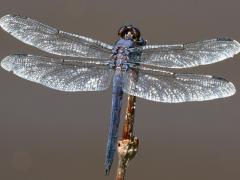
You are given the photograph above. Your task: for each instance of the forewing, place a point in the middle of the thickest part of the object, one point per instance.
(60, 74)
(52, 40)
(168, 87)
(186, 55)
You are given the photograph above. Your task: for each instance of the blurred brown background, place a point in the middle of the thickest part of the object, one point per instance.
(52, 135)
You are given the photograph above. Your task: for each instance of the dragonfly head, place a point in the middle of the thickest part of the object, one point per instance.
(129, 32)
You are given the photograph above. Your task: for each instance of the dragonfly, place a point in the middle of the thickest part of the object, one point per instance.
(132, 66)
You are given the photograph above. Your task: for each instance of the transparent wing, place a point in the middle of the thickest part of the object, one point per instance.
(52, 40)
(186, 55)
(164, 86)
(60, 74)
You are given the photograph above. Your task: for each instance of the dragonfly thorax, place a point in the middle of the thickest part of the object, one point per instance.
(120, 57)
(127, 43)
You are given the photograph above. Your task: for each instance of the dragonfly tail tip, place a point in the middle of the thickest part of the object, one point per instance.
(107, 171)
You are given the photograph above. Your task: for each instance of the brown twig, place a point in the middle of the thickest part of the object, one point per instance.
(128, 146)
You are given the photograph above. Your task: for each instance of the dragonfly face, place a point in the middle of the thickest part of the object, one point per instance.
(133, 33)
(129, 32)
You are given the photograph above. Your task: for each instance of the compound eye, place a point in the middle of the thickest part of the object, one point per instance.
(136, 34)
(122, 31)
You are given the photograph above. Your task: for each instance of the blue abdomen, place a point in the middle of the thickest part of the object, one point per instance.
(117, 95)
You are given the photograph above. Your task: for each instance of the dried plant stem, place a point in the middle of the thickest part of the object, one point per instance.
(128, 146)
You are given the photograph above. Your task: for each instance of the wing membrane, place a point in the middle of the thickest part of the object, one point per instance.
(187, 55)
(164, 86)
(60, 74)
(52, 40)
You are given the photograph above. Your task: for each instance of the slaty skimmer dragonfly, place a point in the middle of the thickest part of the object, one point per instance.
(132, 66)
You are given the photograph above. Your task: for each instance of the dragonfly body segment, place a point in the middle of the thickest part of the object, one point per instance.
(132, 66)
